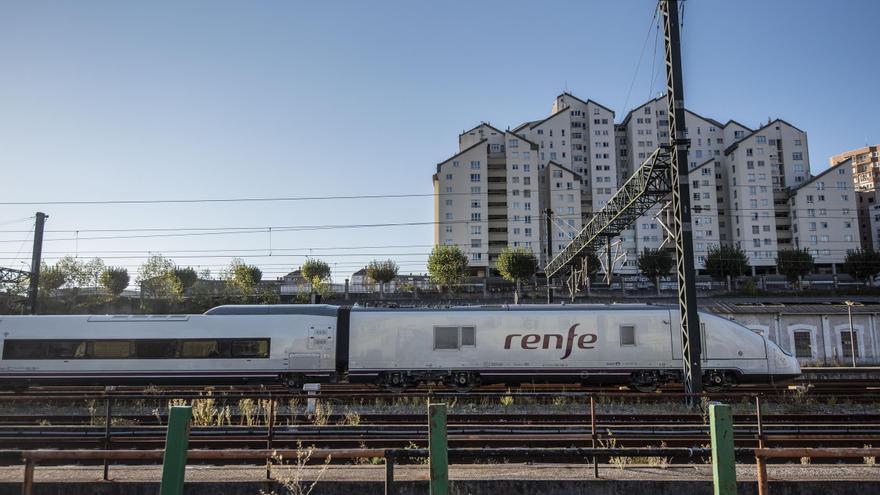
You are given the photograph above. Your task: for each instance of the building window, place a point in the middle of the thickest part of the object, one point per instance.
(845, 344)
(803, 345)
(475, 177)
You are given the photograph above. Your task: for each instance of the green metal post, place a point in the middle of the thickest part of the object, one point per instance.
(439, 460)
(176, 444)
(723, 458)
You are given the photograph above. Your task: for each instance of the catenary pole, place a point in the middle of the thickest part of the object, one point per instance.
(36, 260)
(681, 203)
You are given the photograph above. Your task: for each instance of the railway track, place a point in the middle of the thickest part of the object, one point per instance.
(836, 387)
(460, 435)
(120, 420)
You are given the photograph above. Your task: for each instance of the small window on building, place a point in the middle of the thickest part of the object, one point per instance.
(847, 345)
(445, 337)
(627, 335)
(803, 345)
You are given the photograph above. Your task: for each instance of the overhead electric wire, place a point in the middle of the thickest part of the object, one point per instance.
(641, 56)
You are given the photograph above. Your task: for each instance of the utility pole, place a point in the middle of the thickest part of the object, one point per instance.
(691, 347)
(548, 213)
(36, 260)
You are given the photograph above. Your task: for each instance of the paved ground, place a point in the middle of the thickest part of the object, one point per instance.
(471, 472)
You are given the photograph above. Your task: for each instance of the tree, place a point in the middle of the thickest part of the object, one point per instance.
(186, 276)
(794, 264)
(51, 278)
(655, 263)
(92, 271)
(159, 285)
(316, 273)
(382, 272)
(447, 266)
(515, 264)
(73, 271)
(862, 264)
(115, 280)
(726, 261)
(243, 278)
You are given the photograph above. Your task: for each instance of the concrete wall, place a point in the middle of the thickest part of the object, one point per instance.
(825, 335)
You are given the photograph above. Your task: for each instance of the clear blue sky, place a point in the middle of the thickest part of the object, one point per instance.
(165, 100)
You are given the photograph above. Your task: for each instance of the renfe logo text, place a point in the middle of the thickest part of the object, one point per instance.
(533, 340)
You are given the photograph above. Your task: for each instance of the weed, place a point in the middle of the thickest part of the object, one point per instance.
(869, 460)
(224, 417)
(323, 410)
(290, 473)
(247, 408)
(267, 406)
(507, 400)
(92, 406)
(417, 460)
(293, 406)
(204, 410)
(351, 418)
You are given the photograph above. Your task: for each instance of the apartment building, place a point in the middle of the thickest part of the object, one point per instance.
(822, 215)
(578, 137)
(866, 178)
(638, 135)
(749, 187)
(763, 166)
(486, 196)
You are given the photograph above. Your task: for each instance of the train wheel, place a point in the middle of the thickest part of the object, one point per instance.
(463, 381)
(394, 382)
(294, 383)
(714, 381)
(644, 382)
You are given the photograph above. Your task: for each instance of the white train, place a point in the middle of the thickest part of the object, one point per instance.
(638, 345)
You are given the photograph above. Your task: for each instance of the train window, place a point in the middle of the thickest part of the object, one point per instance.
(65, 349)
(468, 336)
(111, 349)
(199, 349)
(627, 335)
(445, 337)
(23, 349)
(155, 349)
(250, 348)
(803, 345)
(136, 349)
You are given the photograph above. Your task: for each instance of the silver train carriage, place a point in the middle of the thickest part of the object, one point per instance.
(637, 345)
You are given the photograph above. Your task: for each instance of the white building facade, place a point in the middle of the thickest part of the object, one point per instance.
(749, 187)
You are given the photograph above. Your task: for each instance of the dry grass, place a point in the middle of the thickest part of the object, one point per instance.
(290, 473)
(323, 411)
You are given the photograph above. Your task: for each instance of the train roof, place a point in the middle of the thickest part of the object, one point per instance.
(328, 310)
(275, 309)
(528, 307)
